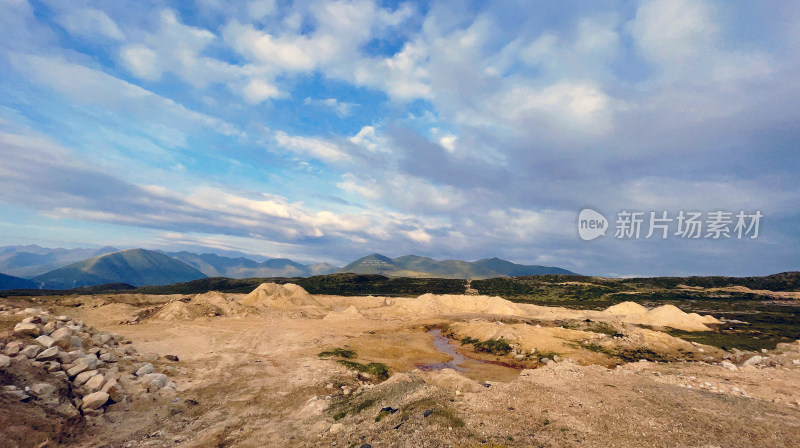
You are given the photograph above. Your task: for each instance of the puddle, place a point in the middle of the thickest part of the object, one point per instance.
(442, 344)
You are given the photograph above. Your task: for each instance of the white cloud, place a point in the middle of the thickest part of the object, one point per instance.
(257, 91)
(141, 61)
(341, 108)
(89, 22)
(312, 146)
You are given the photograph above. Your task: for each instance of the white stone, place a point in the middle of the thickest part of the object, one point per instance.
(48, 355)
(94, 400)
(83, 377)
(27, 328)
(45, 341)
(95, 383)
(5, 361)
(145, 369)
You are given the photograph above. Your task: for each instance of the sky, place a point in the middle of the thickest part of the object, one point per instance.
(328, 130)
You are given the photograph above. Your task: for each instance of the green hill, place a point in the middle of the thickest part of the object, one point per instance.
(11, 282)
(137, 267)
(416, 266)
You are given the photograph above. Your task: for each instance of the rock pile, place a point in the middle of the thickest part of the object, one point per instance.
(73, 369)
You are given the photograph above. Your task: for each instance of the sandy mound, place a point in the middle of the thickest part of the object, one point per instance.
(347, 314)
(663, 316)
(281, 297)
(432, 304)
(626, 308)
(451, 380)
(202, 305)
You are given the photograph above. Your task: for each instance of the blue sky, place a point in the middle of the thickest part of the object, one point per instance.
(324, 131)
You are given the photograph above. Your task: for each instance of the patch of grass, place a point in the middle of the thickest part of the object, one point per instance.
(468, 340)
(376, 369)
(638, 354)
(340, 352)
(381, 415)
(493, 346)
(549, 355)
(339, 415)
(442, 415)
(602, 328)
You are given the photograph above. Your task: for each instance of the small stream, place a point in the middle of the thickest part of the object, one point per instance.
(442, 344)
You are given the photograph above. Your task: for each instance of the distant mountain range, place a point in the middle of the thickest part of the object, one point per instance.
(137, 267)
(416, 266)
(217, 266)
(58, 268)
(11, 282)
(30, 261)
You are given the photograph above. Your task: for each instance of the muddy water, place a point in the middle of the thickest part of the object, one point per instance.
(443, 345)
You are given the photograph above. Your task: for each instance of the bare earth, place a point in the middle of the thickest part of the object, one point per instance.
(249, 374)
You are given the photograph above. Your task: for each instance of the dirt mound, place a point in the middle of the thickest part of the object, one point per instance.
(672, 316)
(202, 305)
(626, 308)
(282, 297)
(663, 316)
(347, 314)
(432, 304)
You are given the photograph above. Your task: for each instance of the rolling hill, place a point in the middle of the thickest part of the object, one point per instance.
(32, 260)
(217, 266)
(11, 282)
(137, 267)
(416, 266)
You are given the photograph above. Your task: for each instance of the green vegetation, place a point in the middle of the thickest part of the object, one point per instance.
(442, 415)
(376, 369)
(493, 346)
(339, 352)
(339, 415)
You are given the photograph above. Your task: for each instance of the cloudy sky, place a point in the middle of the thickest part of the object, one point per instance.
(324, 131)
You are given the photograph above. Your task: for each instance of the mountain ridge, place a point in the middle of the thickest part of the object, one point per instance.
(137, 267)
(419, 266)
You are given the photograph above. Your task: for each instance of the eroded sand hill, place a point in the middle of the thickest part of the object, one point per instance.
(249, 375)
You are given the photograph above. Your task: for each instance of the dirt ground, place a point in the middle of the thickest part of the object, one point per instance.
(255, 379)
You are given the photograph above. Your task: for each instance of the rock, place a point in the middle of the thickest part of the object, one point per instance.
(171, 358)
(49, 327)
(48, 355)
(144, 370)
(13, 348)
(155, 381)
(53, 366)
(544, 360)
(94, 400)
(45, 341)
(109, 357)
(556, 358)
(60, 375)
(95, 383)
(42, 390)
(83, 377)
(114, 390)
(76, 342)
(336, 427)
(729, 365)
(519, 357)
(62, 338)
(80, 365)
(755, 360)
(67, 410)
(365, 445)
(427, 413)
(101, 338)
(30, 351)
(27, 328)
(5, 361)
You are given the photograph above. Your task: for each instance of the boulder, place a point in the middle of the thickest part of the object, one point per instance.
(83, 377)
(13, 348)
(144, 370)
(109, 357)
(76, 342)
(82, 365)
(27, 328)
(45, 341)
(5, 361)
(95, 383)
(62, 338)
(101, 338)
(30, 351)
(729, 365)
(42, 390)
(155, 381)
(48, 355)
(94, 400)
(754, 360)
(114, 390)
